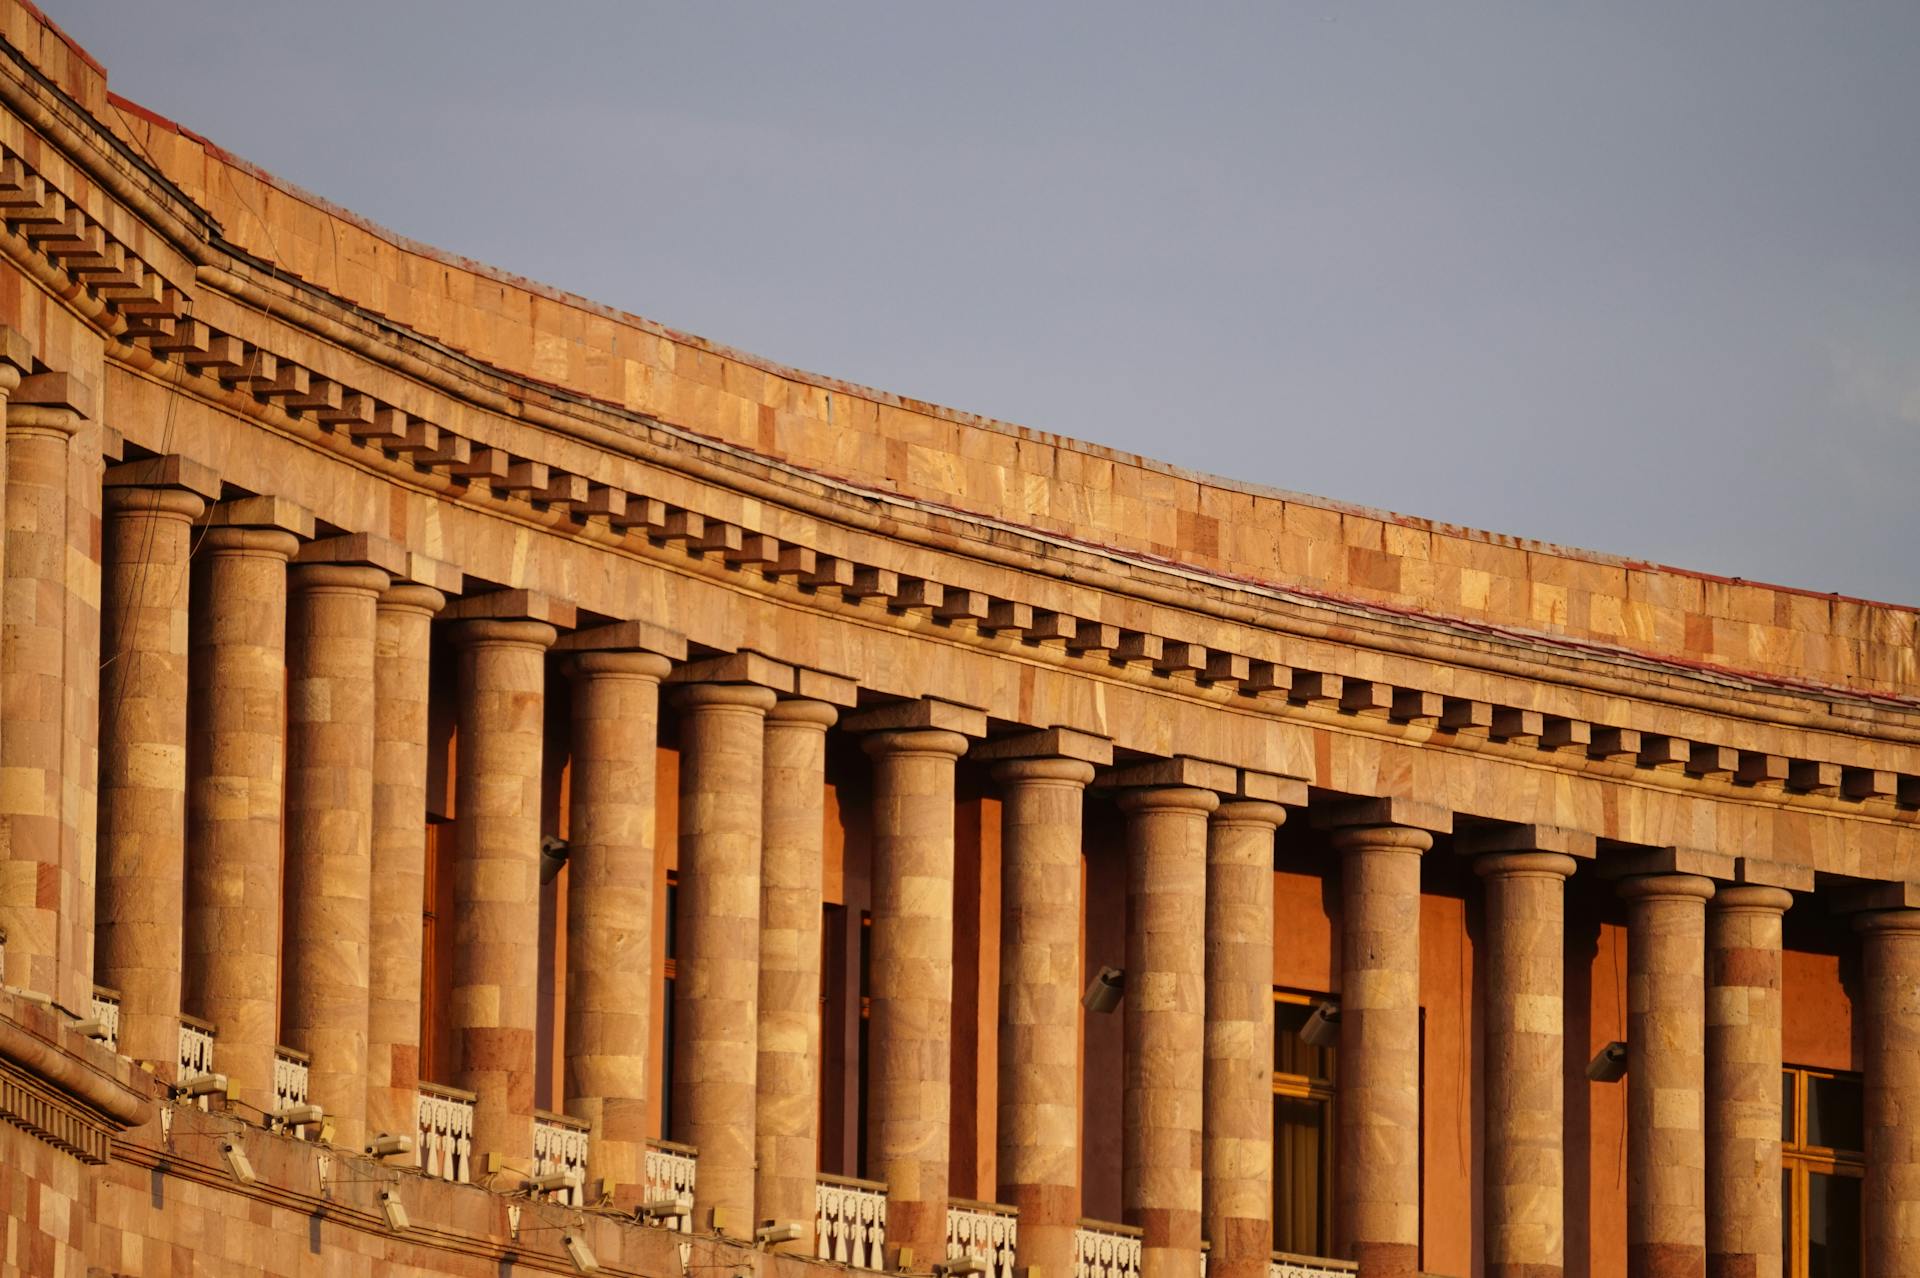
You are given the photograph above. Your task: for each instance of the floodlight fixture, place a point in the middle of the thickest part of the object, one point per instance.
(386, 1144)
(1609, 1064)
(200, 1085)
(584, 1261)
(1104, 990)
(773, 1232)
(236, 1161)
(395, 1211)
(1322, 1027)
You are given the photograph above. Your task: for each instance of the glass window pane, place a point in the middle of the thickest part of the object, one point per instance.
(1786, 1107)
(1786, 1220)
(1299, 1167)
(1833, 1226)
(1833, 1113)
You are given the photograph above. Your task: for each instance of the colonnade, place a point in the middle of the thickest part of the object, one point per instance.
(194, 807)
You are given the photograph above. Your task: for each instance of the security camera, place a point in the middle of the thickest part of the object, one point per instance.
(200, 1085)
(580, 1254)
(385, 1145)
(550, 1181)
(1609, 1065)
(1322, 1028)
(298, 1115)
(236, 1161)
(663, 1209)
(395, 1210)
(961, 1266)
(553, 855)
(772, 1232)
(1103, 992)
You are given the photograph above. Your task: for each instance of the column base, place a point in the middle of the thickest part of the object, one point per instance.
(1735, 1265)
(1665, 1260)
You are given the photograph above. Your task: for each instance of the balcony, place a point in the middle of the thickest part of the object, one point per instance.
(850, 1221)
(985, 1231)
(1286, 1265)
(670, 1172)
(560, 1147)
(445, 1132)
(106, 1010)
(1104, 1250)
(196, 1051)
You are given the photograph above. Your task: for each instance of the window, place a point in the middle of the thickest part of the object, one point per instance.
(669, 943)
(1303, 1133)
(1821, 1165)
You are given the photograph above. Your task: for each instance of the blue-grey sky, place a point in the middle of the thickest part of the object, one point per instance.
(1642, 278)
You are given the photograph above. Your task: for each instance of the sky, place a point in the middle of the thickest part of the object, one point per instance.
(1638, 278)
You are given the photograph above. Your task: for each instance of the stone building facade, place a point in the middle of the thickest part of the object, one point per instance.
(674, 793)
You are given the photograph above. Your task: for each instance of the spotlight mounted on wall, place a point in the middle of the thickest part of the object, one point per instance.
(1609, 1064)
(195, 1085)
(237, 1163)
(395, 1211)
(547, 1182)
(386, 1145)
(302, 1115)
(553, 855)
(1322, 1027)
(1104, 990)
(661, 1210)
(961, 1267)
(772, 1233)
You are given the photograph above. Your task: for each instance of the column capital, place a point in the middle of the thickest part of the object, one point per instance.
(1750, 898)
(63, 400)
(1059, 771)
(261, 513)
(1665, 887)
(928, 712)
(1502, 837)
(265, 543)
(1381, 838)
(1250, 813)
(1523, 865)
(482, 632)
(626, 636)
(1885, 921)
(1048, 743)
(1388, 811)
(411, 597)
(804, 714)
(336, 578)
(725, 696)
(16, 356)
(1172, 798)
(915, 741)
(176, 503)
(746, 668)
(514, 605)
(170, 472)
(358, 550)
(620, 663)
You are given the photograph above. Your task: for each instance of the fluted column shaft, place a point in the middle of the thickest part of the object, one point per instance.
(330, 734)
(35, 877)
(1379, 1112)
(910, 983)
(1666, 1072)
(610, 865)
(1237, 1197)
(143, 763)
(1890, 946)
(403, 638)
(496, 885)
(1039, 1117)
(717, 925)
(1743, 1081)
(238, 718)
(1165, 1004)
(1525, 1012)
(787, 1108)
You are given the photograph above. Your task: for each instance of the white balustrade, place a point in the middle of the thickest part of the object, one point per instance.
(289, 1077)
(1102, 1250)
(1287, 1265)
(106, 1010)
(196, 1052)
(670, 1172)
(560, 1145)
(445, 1131)
(850, 1222)
(985, 1231)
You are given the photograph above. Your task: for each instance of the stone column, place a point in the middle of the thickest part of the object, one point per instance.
(1743, 1081)
(1039, 1119)
(1378, 1180)
(1237, 1191)
(717, 992)
(329, 960)
(496, 886)
(910, 983)
(1890, 946)
(787, 1110)
(1165, 1028)
(610, 866)
(403, 638)
(34, 876)
(237, 714)
(1525, 1176)
(143, 759)
(1666, 1071)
